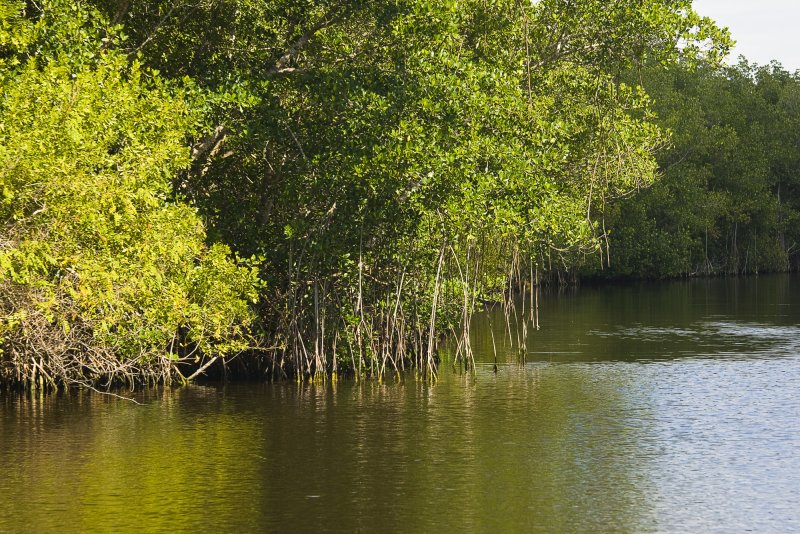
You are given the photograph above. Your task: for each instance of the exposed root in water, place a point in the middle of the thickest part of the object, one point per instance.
(387, 317)
(376, 322)
(39, 351)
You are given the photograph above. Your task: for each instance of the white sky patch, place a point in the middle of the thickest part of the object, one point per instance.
(763, 30)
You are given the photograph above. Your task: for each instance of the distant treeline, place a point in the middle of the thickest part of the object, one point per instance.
(728, 198)
(304, 188)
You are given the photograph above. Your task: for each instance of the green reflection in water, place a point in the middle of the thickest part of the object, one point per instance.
(93, 463)
(641, 408)
(636, 321)
(528, 448)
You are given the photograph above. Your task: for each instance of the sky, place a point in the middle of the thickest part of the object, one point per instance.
(763, 29)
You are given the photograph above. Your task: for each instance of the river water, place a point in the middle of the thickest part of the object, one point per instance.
(669, 407)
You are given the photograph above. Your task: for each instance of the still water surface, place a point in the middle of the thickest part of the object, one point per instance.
(666, 407)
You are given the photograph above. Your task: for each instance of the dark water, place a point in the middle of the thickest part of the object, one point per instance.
(671, 408)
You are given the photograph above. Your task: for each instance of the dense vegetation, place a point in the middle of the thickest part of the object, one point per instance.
(728, 201)
(385, 167)
(102, 272)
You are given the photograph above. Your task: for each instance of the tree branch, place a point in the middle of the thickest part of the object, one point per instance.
(210, 145)
(282, 65)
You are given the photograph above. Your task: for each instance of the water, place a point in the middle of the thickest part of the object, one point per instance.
(664, 407)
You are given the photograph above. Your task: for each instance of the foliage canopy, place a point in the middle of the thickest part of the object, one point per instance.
(100, 267)
(392, 164)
